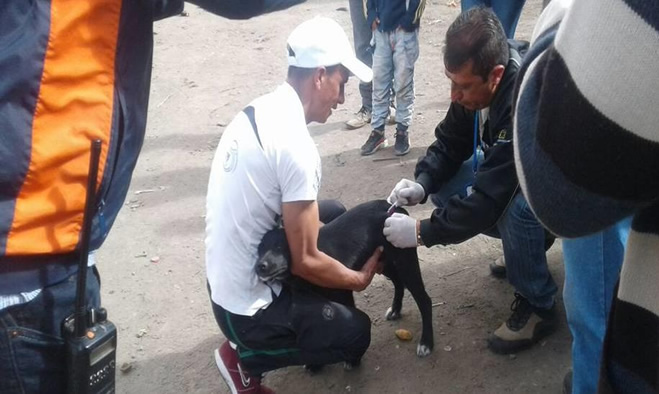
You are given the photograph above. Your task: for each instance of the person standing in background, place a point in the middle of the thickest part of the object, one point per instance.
(395, 27)
(362, 35)
(72, 72)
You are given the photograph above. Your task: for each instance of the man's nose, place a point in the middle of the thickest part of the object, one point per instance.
(342, 97)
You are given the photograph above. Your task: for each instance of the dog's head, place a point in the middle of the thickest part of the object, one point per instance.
(274, 258)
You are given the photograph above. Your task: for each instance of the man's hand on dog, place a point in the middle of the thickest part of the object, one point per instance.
(373, 266)
(406, 193)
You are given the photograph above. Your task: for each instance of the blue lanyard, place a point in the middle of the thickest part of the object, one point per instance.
(474, 166)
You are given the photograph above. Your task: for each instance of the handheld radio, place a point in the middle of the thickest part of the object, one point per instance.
(91, 340)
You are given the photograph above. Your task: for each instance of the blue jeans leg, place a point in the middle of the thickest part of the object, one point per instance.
(383, 74)
(361, 33)
(592, 268)
(522, 236)
(508, 12)
(523, 239)
(32, 350)
(457, 186)
(405, 55)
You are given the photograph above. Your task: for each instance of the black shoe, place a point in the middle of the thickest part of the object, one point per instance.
(374, 142)
(567, 383)
(526, 326)
(402, 145)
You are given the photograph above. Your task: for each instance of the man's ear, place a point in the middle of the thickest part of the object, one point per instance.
(319, 75)
(495, 75)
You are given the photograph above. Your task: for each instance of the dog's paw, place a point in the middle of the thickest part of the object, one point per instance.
(423, 350)
(392, 315)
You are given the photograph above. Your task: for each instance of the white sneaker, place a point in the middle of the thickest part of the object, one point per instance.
(362, 119)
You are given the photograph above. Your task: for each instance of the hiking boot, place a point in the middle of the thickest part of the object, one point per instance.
(567, 383)
(526, 326)
(402, 145)
(238, 380)
(498, 267)
(391, 119)
(374, 142)
(362, 119)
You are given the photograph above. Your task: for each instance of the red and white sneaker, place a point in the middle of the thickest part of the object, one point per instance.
(238, 380)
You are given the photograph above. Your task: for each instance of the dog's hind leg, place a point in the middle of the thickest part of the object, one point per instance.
(407, 264)
(390, 271)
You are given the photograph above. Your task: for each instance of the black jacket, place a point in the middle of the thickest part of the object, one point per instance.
(495, 183)
(395, 13)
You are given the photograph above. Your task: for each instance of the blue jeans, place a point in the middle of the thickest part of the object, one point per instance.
(522, 236)
(508, 11)
(393, 59)
(32, 351)
(592, 268)
(361, 33)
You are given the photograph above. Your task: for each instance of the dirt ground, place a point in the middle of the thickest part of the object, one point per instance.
(205, 70)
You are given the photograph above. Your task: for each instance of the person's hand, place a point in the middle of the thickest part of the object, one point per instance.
(406, 193)
(375, 24)
(400, 230)
(373, 265)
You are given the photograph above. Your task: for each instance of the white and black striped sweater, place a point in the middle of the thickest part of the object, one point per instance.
(587, 155)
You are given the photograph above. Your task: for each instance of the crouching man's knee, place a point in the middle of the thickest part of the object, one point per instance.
(358, 336)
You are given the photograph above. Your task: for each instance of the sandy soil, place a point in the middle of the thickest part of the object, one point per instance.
(205, 70)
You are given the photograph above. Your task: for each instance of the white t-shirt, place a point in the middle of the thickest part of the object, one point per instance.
(247, 186)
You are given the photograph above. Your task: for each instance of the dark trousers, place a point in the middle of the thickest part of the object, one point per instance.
(32, 350)
(299, 327)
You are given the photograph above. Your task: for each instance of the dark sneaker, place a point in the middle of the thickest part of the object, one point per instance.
(402, 145)
(498, 267)
(238, 380)
(362, 119)
(567, 383)
(526, 326)
(374, 142)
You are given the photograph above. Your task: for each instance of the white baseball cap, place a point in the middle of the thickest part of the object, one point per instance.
(322, 42)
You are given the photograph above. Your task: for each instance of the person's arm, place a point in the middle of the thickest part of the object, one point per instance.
(586, 151)
(301, 225)
(460, 219)
(453, 145)
(495, 184)
(413, 15)
(372, 14)
(244, 9)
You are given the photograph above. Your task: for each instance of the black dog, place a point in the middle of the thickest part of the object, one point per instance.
(351, 239)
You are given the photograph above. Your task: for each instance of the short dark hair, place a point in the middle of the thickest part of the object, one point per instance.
(303, 73)
(476, 35)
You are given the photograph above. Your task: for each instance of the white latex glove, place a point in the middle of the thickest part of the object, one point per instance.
(400, 230)
(406, 193)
